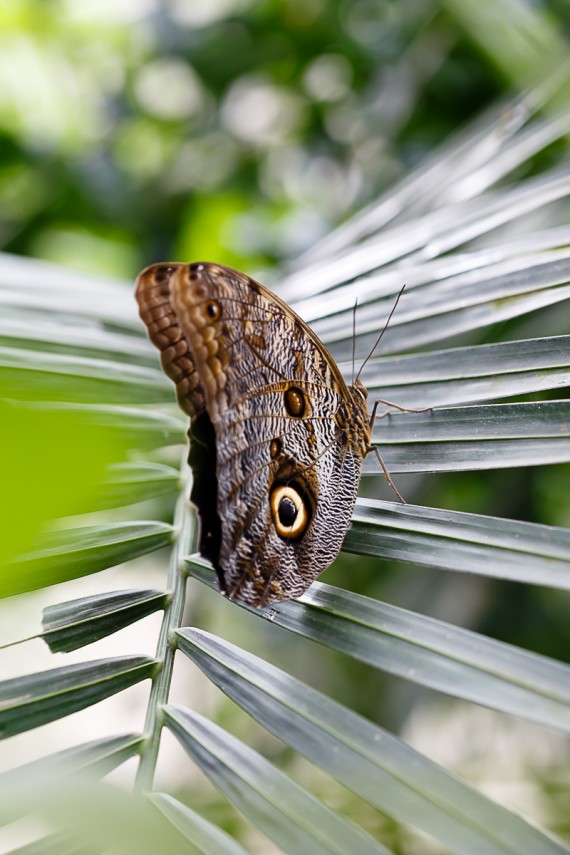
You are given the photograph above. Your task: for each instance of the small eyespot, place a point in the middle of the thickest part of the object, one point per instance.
(162, 273)
(290, 511)
(295, 403)
(275, 448)
(194, 271)
(213, 309)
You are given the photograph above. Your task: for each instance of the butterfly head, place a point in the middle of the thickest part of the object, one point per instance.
(359, 389)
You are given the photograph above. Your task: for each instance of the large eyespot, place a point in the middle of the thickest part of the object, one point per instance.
(213, 309)
(290, 511)
(295, 403)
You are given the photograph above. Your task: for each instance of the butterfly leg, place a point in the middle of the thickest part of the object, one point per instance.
(374, 448)
(387, 474)
(374, 415)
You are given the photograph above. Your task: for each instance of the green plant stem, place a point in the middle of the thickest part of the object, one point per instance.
(185, 534)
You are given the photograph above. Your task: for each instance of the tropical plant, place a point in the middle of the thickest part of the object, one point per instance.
(474, 251)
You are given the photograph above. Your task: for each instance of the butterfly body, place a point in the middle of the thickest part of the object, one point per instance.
(277, 438)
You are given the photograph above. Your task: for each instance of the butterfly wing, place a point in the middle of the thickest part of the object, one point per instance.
(269, 406)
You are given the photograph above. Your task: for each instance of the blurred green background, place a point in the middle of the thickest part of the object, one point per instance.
(234, 130)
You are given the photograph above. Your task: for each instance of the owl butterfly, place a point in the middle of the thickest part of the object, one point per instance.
(277, 438)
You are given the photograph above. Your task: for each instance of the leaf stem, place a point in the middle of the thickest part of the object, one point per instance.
(185, 536)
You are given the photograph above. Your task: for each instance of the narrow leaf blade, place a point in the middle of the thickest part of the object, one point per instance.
(465, 543)
(71, 553)
(476, 437)
(288, 814)
(202, 836)
(73, 624)
(39, 376)
(30, 701)
(96, 758)
(133, 482)
(468, 374)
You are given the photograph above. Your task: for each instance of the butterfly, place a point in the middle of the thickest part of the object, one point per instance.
(277, 437)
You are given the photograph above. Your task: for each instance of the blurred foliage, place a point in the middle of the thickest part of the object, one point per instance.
(34, 442)
(234, 130)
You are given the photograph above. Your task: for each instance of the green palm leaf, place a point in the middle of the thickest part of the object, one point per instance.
(35, 699)
(466, 543)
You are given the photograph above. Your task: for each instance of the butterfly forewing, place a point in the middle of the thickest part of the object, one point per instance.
(277, 439)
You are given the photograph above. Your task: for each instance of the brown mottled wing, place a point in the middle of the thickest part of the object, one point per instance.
(157, 312)
(269, 405)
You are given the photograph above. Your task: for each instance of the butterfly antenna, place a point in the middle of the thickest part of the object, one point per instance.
(353, 338)
(379, 339)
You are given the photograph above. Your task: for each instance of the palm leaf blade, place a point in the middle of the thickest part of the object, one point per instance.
(283, 810)
(205, 838)
(73, 624)
(474, 437)
(133, 482)
(97, 757)
(71, 553)
(469, 374)
(80, 339)
(40, 375)
(466, 543)
(35, 699)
